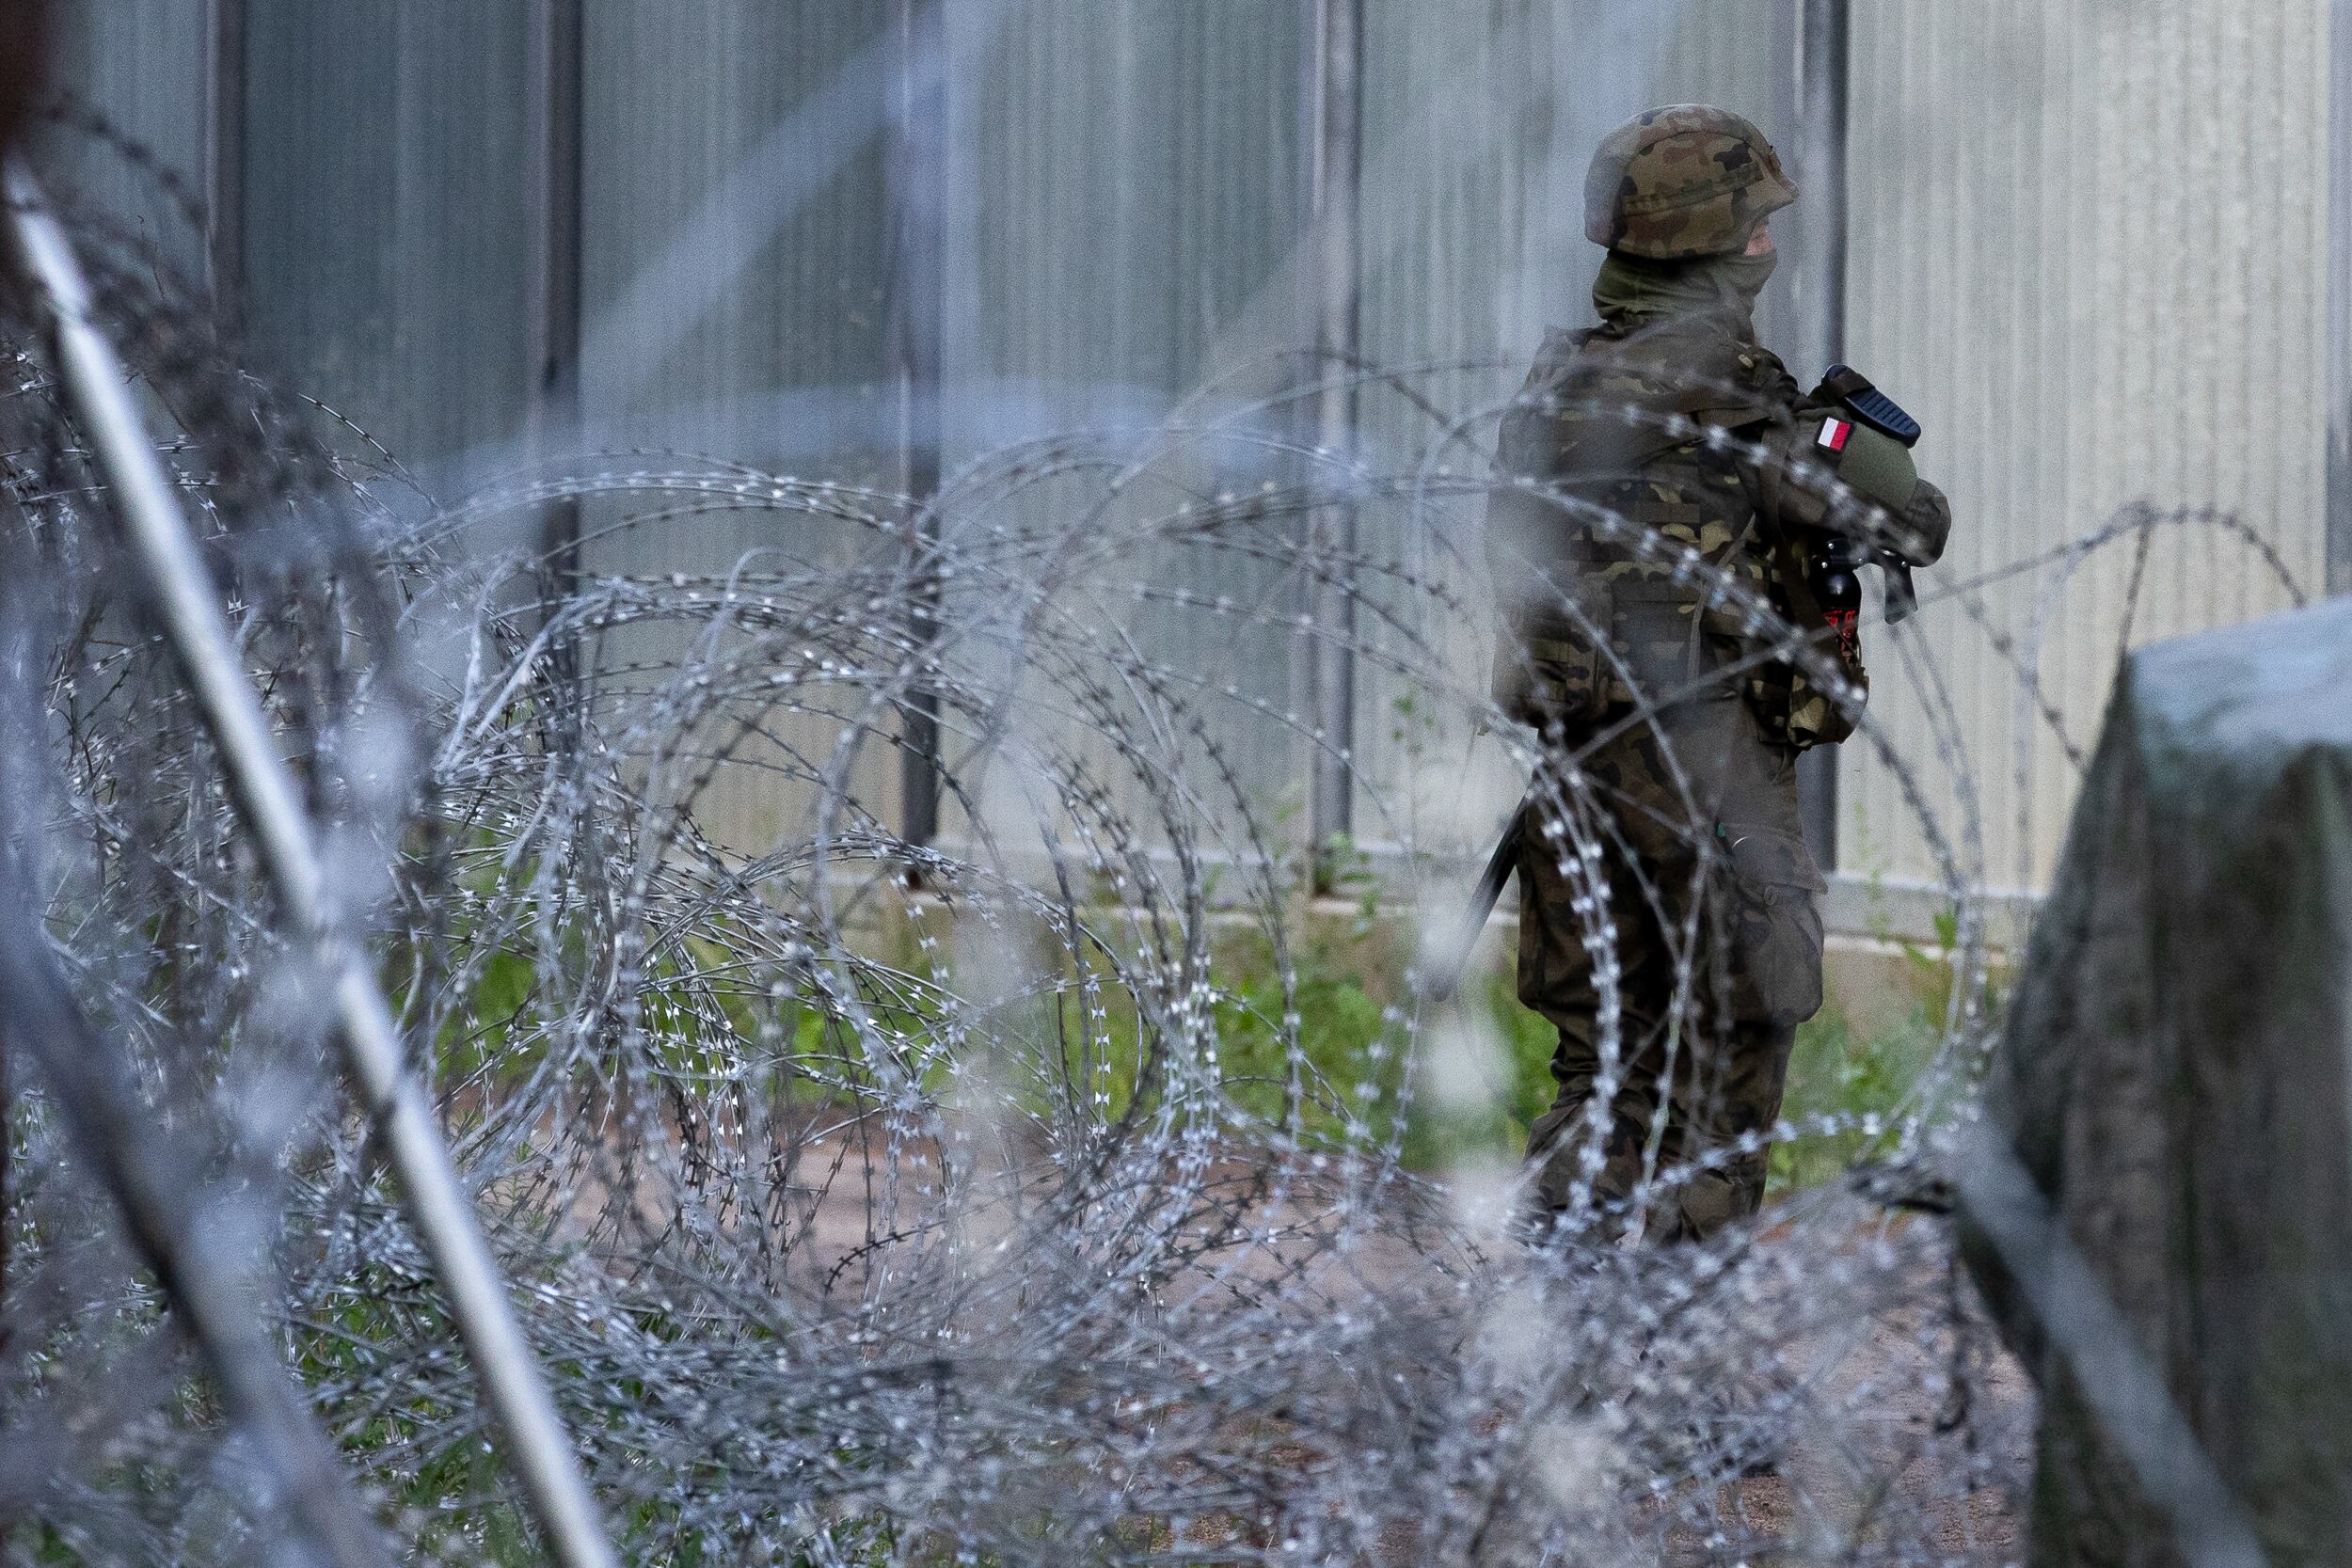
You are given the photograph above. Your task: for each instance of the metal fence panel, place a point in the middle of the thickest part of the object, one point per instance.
(1124, 227)
(2088, 248)
(141, 64)
(734, 223)
(1128, 185)
(733, 238)
(385, 206)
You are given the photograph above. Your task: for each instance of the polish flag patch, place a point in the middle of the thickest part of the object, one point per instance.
(1834, 434)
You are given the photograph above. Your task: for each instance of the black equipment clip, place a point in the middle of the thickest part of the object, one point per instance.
(1868, 405)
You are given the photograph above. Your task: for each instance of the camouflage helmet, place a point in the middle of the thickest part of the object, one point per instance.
(1681, 182)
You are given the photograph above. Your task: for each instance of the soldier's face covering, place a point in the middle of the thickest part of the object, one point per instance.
(1634, 287)
(1744, 276)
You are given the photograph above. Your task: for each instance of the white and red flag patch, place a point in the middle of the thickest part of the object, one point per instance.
(1834, 434)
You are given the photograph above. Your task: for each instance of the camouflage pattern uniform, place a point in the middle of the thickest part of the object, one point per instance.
(1692, 804)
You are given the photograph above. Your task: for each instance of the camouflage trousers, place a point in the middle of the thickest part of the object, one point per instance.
(1713, 868)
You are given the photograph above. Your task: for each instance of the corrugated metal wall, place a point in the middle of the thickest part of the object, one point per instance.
(1127, 183)
(386, 197)
(733, 225)
(2089, 247)
(384, 194)
(142, 64)
(1123, 207)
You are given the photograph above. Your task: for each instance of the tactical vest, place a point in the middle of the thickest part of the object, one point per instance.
(1616, 425)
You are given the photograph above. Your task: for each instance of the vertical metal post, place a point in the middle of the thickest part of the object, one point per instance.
(2340, 298)
(1336, 186)
(224, 154)
(916, 175)
(1782, 318)
(552, 291)
(1824, 35)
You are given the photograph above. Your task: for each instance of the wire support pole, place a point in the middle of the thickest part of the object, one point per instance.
(552, 283)
(1336, 192)
(184, 599)
(1823, 70)
(2339, 371)
(916, 174)
(159, 1189)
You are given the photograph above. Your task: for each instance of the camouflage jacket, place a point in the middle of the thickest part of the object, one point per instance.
(1629, 460)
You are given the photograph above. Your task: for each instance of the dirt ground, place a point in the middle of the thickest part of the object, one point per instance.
(1820, 1499)
(1877, 1470)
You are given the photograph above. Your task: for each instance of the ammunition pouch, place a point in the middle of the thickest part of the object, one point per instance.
(1774, 913)
(1796, 711)
(1554, 670)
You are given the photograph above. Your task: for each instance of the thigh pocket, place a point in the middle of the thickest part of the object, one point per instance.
(1775, 936)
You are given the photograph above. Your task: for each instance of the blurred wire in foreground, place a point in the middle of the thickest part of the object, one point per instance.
(181, 595)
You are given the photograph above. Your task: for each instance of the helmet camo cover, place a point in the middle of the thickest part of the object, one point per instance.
(1682, 182)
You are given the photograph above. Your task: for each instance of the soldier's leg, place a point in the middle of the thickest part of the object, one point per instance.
(1567, 1148)
(1736, 1093)
(1561, 1146)
(1757, 972)
(1764, 957)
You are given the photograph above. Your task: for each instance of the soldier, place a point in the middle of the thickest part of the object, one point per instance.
(1666, 481)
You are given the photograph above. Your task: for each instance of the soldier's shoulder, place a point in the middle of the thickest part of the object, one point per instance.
(1554, 373)
(1703, 366)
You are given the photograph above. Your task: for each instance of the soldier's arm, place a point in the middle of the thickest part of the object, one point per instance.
(1913, 539)
(1545, 652)
(1520, 524)
(1842, 464)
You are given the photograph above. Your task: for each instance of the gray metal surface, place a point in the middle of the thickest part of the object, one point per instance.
(386, 202)
(551, 119)
(141, 64)
(224, 153)
(734, 236)
(1126, 227)
(2339, 546)
(733, 227)
(1128, 185)
(916, 178)
(1815, 251)
(552, 276)
(1329, 657)
(2077, 343)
